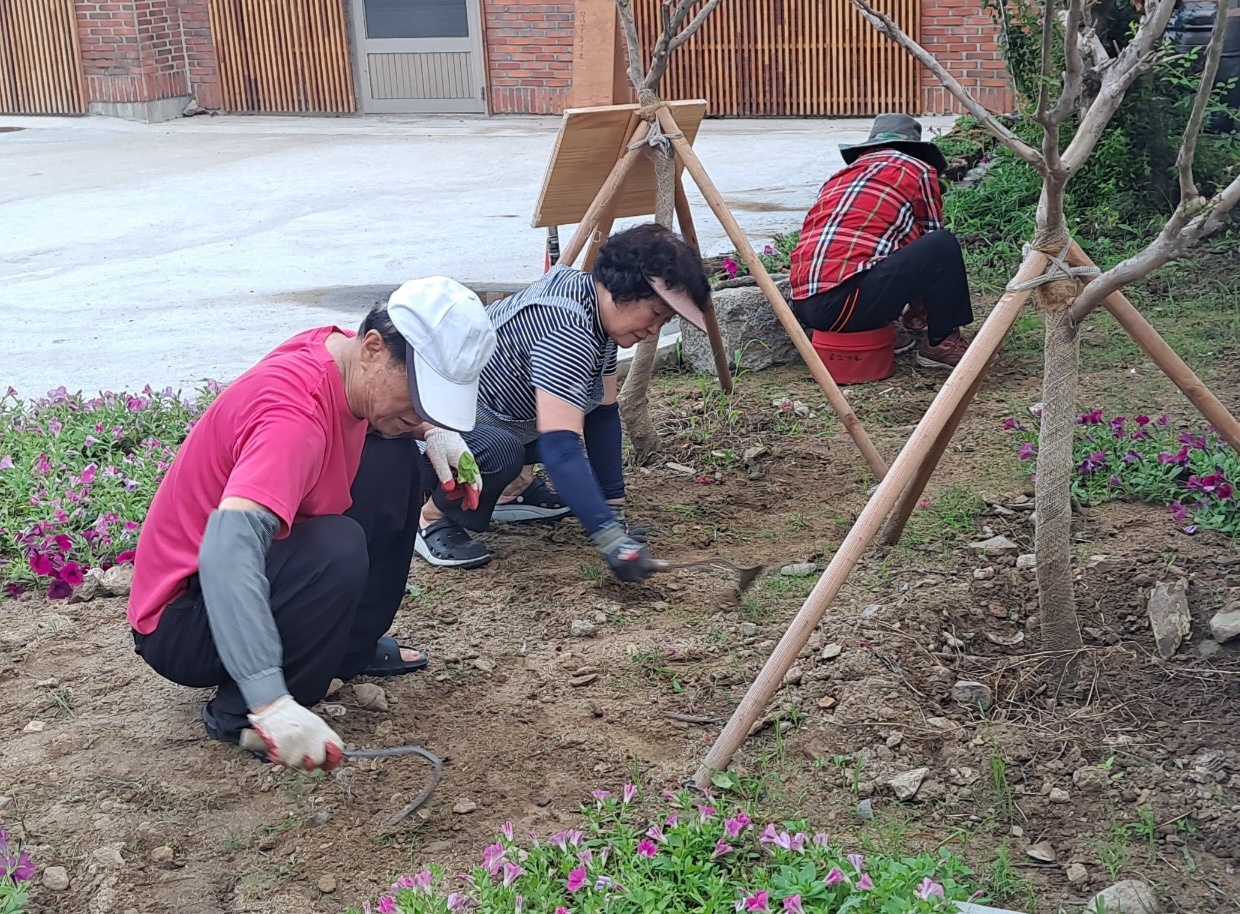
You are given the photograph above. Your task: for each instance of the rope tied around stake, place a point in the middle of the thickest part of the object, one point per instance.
(660, 145)
(1057, 269)
(648, 111)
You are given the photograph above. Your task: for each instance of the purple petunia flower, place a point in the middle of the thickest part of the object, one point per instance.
(59, 590)
(1027, 451)
(1092, 462)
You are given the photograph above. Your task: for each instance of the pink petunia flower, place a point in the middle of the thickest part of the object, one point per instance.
(512, 872)
(822, 839)
(835, 877)
(493, 857)
(759, 901)
(858, 861)
(387, 905)
(576, 879)
(865, 883)
(506, 830)
(929, 888)
(600, 795)
(792, 904)
(655, 833)
(630, 791)
(647, 848)
(721, 847)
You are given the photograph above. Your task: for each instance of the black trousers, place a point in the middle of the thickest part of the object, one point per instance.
(336, 582)
(930, 269)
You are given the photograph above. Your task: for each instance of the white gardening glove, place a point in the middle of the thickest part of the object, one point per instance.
(297, 737)
(445, 450)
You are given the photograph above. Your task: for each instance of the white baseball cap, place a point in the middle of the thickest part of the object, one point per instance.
(449, 339)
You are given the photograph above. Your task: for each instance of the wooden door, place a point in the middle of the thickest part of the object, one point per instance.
(420, 56)
(792, 58)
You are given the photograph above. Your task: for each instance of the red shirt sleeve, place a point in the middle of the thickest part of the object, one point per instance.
(279, 456)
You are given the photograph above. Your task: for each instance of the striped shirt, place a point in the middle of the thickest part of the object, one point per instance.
(866, 211)
(550, 338)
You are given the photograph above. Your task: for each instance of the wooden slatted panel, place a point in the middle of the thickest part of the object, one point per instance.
(286, 57)
(791, 58)
(40, 63)
(439, 74)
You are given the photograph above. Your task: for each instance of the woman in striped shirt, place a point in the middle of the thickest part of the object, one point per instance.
(548, 396)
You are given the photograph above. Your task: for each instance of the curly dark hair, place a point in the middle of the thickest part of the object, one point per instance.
(629, 257)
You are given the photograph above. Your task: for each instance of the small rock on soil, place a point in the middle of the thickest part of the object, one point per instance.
(906, 785)
(972, 694)
(56, 878)
(1226, 624)
(1128, 897)
(1170, 619)
(996, 545)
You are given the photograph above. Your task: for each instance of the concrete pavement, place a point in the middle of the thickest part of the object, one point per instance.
(173, 253)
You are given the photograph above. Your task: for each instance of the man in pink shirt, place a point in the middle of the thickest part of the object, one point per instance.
(276, 551)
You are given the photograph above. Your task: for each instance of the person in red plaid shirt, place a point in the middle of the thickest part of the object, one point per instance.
(874, 243)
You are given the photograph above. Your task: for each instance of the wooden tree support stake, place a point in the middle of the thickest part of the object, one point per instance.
(903, 471)
(1166, 358)
(684, 216)
(716, 202)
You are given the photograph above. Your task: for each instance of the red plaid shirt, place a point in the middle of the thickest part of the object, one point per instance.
(865, 212)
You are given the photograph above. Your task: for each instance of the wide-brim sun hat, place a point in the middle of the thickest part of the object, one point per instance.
(448, 341)
(896, 131)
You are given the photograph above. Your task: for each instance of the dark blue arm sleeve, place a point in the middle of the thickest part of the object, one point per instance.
(564, 458)
(603, 441)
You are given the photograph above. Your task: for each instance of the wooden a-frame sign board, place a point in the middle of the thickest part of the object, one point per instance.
(586, 149)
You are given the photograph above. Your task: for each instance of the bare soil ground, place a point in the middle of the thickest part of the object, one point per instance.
(1137, 776)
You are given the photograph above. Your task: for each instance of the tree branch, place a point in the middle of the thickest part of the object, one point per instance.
(1192, 221)
(1136, 58)
(884, 24)
(1073, 69)
(687, 32)
(1192, 130)
(629, 26)
(1044, 77)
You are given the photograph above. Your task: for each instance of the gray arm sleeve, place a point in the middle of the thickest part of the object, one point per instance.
(232, 572)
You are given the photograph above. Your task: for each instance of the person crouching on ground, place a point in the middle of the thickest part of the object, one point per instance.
(874, 243)
(549, 396)
(276, 551)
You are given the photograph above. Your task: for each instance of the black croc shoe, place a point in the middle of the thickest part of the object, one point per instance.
(537, 502)
(446, 544)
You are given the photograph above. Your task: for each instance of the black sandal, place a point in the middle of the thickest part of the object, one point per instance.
(388, 661)
(537, 502)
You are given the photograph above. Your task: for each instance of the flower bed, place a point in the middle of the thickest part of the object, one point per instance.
(1155, 460)
(690, 856)
(77, 477)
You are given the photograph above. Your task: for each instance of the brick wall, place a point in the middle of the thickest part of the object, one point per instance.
(132, 50)
(529, 48)
(965, 39)
(201, 58)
